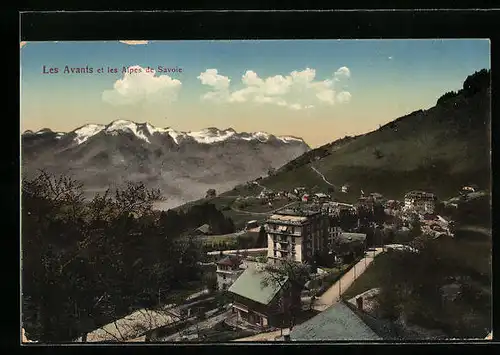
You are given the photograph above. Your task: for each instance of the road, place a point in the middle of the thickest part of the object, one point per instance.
(323, 177)
(477, 229)
(201, 325)
(264, 213)
(332, 295)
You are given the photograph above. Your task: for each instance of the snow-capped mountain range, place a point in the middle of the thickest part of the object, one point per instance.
(182, 164)
(144, 131)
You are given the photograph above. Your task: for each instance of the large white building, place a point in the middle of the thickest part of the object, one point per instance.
(420, 201)
(296, 235)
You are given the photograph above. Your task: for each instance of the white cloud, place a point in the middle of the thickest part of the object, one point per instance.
(327, 96)
(390, 58)
(342, 72)
(344, 97)
(294, 91)
(139, 87)
(211, 78)
(134, 43)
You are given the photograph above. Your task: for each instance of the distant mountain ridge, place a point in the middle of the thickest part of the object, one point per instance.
(145, 130)
(182, 164)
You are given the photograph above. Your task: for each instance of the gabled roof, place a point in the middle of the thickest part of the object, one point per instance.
(337, 322)
(204, 228)
(257, 285)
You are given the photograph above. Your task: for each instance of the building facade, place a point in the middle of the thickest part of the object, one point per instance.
(296, 235)
(228, 270)
(259, 298)
(420, 201)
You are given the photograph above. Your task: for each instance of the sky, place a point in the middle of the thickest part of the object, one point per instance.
(319, 90)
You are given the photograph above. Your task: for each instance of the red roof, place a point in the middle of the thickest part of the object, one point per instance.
(230, 261)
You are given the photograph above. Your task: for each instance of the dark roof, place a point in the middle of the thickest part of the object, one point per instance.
(304, 211)
(230, 260)
(338, 322)
(352, 237)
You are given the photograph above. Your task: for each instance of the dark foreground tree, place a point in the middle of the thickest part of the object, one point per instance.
(89, 263)
(291, 277)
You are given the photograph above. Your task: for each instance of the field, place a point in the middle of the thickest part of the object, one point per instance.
(371, 278)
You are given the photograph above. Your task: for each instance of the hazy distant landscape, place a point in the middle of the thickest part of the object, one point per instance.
(182, 165)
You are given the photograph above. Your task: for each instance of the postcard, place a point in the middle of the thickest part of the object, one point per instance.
(255, 190)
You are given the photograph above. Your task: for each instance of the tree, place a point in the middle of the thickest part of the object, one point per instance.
(210, 282)
(446, 97)
(262, 238)
(377, 153)
(477, 82)
(379, 216)
(271, 171)
(415, 228)
(88, 263)
(291, 277)
(211, 193)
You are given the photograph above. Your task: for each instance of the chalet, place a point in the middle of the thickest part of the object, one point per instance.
(333, 209)
(346, 244)
(299, 190)
(251, 224)
(338, 322)
(266, 194)
(470, 188)
(202, 230)
(376, 196)
(345, 188)
(292, 196)
(259, 298)
(365, 203)
(228, 270)
(320, 197)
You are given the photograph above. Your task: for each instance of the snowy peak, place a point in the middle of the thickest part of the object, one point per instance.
(43, 132)
(86, 132)
(211, 135)
(137, 129)
(145, 131)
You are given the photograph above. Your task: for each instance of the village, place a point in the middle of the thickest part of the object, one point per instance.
(335, 242)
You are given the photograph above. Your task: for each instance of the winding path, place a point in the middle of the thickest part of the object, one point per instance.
(322, 176)
(332, 295)
(477, 229)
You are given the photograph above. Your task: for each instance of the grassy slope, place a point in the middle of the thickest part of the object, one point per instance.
(473, 250)
(439, 149)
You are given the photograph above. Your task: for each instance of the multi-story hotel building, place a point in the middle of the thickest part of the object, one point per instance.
(420, 201)
(296, 234)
